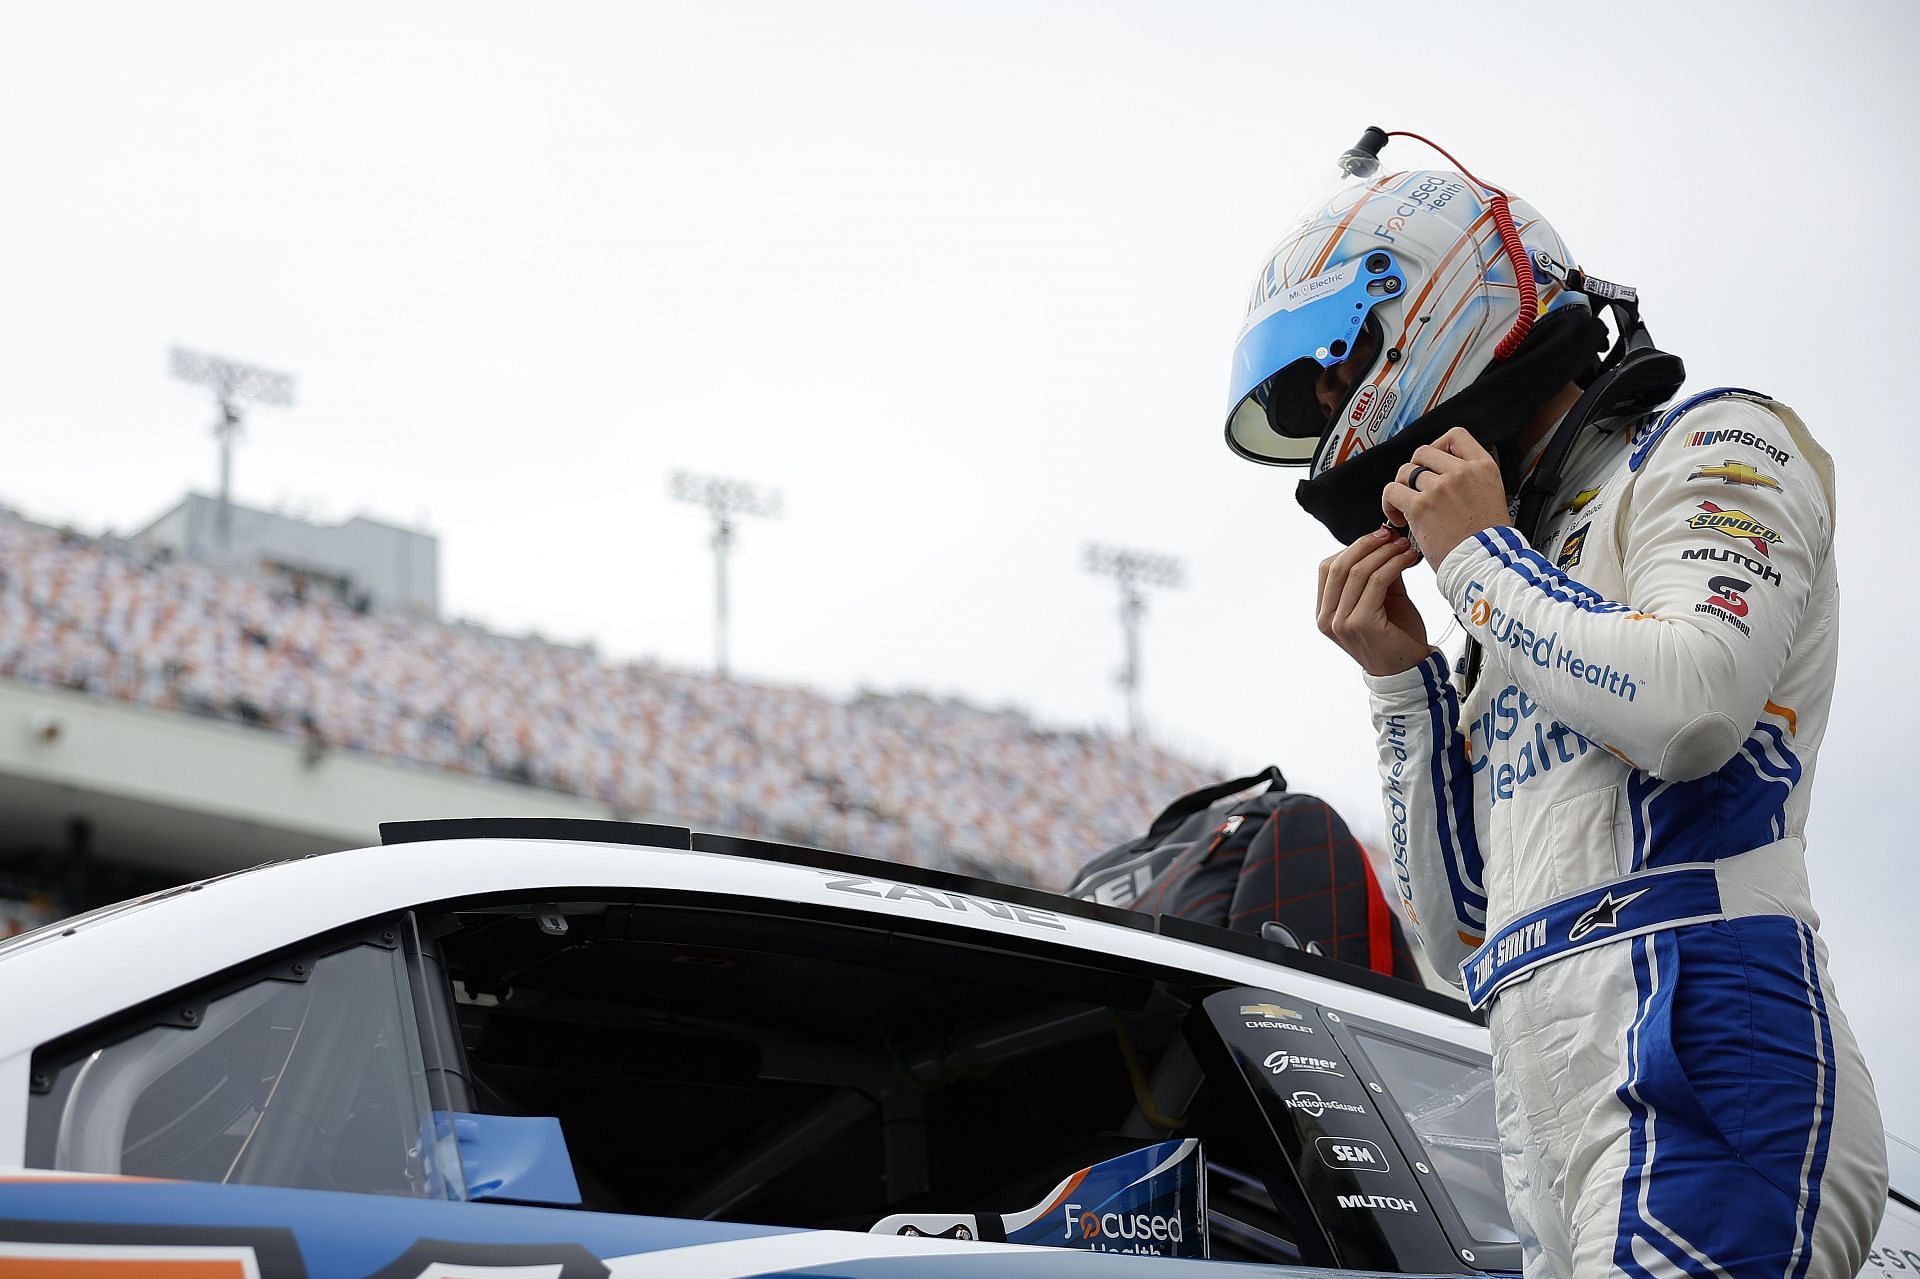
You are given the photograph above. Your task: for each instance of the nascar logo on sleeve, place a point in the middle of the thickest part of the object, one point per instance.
(1737, 525)
(1707, 439)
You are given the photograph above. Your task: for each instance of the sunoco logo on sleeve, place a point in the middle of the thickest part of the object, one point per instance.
(1737, 525)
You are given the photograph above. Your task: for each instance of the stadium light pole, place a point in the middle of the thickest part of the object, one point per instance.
(726, 501)
(1133, 571)
(234, 384)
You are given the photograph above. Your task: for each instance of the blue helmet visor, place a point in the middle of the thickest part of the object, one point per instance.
(1274, 415)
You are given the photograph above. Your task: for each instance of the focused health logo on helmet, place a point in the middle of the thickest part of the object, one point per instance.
(1392, 293)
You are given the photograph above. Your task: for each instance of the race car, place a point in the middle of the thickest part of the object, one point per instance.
(580, 1048)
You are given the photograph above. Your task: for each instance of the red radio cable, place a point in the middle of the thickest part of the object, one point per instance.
(1510, 241)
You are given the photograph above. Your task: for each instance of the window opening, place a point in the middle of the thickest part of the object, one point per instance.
(1448, 1102)
(315, 1082)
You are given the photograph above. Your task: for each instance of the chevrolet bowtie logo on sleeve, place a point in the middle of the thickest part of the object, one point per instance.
(1580, 499)
(1737, 525)
(1732, 472)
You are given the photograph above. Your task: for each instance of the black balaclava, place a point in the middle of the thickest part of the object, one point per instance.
(1564, 346)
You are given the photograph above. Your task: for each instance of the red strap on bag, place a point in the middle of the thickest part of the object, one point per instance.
(1379, 923)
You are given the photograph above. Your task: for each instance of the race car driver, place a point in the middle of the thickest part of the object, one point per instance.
(1601, 823)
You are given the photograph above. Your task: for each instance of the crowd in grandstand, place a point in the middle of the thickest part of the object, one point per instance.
(898, 775)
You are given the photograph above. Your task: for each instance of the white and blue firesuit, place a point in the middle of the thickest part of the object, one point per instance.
(1607, 837)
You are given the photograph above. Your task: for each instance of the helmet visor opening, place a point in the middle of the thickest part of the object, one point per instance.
(1288, 340)
(1281, 420)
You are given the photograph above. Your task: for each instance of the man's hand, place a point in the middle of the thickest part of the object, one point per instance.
(1458, 494)
(1364, 606)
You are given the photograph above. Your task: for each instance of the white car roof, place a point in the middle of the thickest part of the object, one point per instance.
(80, 970)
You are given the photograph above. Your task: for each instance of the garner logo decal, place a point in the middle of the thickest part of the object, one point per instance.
(1282, 1061)
(1737, 525)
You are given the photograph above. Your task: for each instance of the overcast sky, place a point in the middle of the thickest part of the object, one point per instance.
(961, 281)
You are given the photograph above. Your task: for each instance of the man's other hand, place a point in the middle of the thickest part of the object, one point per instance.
(1459, 493)
(1364, 606)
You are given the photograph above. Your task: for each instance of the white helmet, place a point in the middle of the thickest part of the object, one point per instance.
(1414, 270)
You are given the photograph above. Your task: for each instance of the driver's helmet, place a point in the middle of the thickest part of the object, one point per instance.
(1409, 266)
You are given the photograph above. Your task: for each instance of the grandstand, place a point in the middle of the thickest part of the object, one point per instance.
(164, 715)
